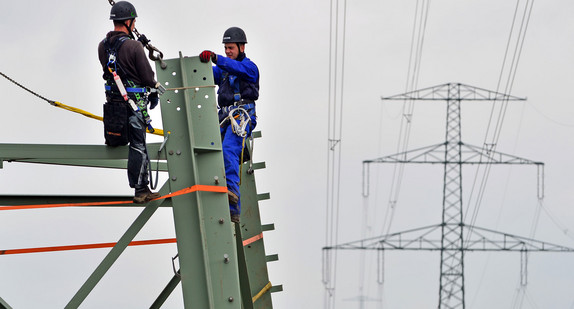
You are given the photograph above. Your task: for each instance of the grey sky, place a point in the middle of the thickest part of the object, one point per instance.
(50, 46)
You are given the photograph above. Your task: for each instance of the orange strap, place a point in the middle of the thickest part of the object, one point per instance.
(252, 239)
(204, 188)
(90, 246)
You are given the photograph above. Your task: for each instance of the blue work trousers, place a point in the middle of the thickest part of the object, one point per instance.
(232, 146)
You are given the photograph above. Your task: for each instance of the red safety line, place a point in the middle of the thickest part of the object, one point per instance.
(89, 246)
(204, 188)
(252, 239)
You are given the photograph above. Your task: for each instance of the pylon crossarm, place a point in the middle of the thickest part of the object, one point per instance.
(428, 238)
(399, 241)
(477, 155)
(428, 154)
(482, 239)
(454, 91)
(470, 154)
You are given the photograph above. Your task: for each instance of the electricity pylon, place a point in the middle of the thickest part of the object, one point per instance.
(456, 237)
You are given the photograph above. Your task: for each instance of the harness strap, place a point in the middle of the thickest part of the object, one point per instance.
(128, 89)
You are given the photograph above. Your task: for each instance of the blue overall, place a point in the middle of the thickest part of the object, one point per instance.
(238, 82)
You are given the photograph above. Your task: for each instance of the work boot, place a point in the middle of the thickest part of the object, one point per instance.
(145, 195)
(233, 198)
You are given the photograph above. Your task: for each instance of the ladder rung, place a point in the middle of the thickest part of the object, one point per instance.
(272, 258)
(263, 196)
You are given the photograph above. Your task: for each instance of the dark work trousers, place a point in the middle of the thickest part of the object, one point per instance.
(137, 156)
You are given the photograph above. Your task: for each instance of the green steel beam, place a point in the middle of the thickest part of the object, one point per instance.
(164, 295)
(14, 152)
(115, 164)
(4, 305)
(205, 238)
(116, 251)
(246, 302)
(253, 266)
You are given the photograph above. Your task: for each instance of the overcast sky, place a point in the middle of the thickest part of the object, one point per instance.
(50, 46)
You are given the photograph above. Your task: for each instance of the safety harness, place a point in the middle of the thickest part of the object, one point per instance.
(239, 118)
(114, 83)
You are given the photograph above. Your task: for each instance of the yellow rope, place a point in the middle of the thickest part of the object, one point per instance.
(266, 288)
(66, 107)
(90, 115)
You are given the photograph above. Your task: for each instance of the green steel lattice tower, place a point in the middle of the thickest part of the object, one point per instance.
(222, 265)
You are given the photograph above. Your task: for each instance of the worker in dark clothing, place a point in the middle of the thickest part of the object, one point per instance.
(238, 80)
(130, 86)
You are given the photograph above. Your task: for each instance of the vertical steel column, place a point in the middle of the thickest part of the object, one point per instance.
(205, 238)
(451, 294)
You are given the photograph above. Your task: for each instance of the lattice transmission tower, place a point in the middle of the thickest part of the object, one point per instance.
(456, 237)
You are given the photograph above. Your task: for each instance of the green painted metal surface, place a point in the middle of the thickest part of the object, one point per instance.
(205, 239)
(254, 272)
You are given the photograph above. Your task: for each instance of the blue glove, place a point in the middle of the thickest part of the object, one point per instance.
(153, 100)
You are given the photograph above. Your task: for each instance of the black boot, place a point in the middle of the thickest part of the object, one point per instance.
(144, 195)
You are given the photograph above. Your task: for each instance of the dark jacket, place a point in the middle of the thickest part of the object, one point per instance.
(131, 58)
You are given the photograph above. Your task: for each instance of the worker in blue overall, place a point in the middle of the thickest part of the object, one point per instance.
(238, 80)
(130, 87)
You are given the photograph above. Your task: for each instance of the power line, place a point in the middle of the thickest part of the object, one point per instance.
(334, 129)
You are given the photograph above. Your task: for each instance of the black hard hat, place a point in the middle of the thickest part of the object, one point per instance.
(123, 10)
(234, 35)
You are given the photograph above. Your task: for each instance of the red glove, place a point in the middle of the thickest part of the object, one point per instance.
(207, 55)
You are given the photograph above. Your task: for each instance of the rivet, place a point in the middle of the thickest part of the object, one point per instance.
(171, 152)
(178, 152)
(225, 258)
(221, 220)
(216, 180)
(230, 299)
(173, 178)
